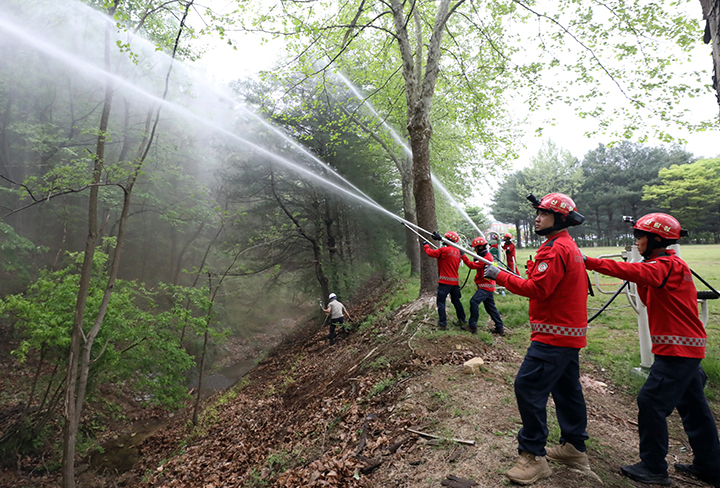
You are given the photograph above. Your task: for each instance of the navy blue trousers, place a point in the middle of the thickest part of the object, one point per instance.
(455, 295)
(487, 298)
(339, 320)
(676, 382)
(550, 369)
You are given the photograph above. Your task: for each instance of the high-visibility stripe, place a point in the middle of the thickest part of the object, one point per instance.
(450, 278)
(486, 285)
(679, 341)
(560, 330)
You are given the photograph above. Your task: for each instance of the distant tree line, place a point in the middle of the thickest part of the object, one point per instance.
(627, 179)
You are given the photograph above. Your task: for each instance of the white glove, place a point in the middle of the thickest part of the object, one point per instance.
(491, 272)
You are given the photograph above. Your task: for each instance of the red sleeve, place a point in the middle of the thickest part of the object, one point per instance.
(433, 253)
(649, 273)
(476, 264)
(542, 283)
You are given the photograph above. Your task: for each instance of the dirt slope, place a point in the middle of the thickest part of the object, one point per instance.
(314, 415)
(318, 416)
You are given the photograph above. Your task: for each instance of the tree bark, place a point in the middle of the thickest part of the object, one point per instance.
(412, 248)
(711, 14)
(419, 90)
(518, 237)
(73, 404)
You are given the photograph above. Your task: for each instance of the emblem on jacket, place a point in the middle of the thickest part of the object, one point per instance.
(542, 267)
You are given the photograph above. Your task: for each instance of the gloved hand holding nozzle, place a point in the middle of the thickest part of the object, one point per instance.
(491, 272)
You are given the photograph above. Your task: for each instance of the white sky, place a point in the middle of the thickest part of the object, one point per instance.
(224, 64)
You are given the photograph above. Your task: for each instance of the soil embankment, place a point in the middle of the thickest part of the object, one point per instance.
(313, 415)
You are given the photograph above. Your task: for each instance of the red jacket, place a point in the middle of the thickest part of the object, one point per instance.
(480, 280)
(509, 249)
(448, 263)
(666, 287)
(557, 287)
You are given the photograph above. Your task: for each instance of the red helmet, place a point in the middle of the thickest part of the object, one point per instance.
(660, 224)
(560, 204)
(557, 202)
(508, 235)
(478, 241)
(452, 236)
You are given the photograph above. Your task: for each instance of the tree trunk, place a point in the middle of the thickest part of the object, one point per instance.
(73, 403)
(412, 248)
(711, 13)
(419, 93)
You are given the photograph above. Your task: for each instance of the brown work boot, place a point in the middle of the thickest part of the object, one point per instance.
(529, 469)
(567, 454)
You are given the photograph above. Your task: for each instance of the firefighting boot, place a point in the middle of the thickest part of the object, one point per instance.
(640, 472)
(692, 470)
(528, 469)
(566, 453)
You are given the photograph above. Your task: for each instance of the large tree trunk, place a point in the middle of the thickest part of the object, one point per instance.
(711, 13)
(419, 91)
(424, 196)
(412, 247)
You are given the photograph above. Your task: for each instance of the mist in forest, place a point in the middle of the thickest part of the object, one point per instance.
(222, 192)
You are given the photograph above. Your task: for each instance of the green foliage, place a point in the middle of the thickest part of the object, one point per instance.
(380, 363)
(382, 385)
(606, 185)
(615, 178)
(16, 253)
(690, 192)
(138, 345)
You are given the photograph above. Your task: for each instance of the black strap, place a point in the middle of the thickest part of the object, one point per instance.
(717, 295)
(466, 279)
(607, 304)
(666, 279)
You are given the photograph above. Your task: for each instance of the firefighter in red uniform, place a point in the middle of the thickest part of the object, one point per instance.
(557, 287)
(676, 379)
(448, 283)
(485, 289)
(509, 249)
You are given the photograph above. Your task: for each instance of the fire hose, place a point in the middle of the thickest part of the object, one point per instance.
(607, 304)
(459, 247)
(713, 294)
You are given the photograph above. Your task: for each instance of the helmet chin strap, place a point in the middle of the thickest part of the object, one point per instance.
(559, 224)
(652, 244)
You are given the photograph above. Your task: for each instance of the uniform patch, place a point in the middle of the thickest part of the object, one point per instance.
(542, 267)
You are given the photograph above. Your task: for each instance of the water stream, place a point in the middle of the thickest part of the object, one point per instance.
(396, 137)
(88, 68)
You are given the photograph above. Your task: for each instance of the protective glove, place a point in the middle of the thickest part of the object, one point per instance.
(584, 257)
(462, 253)
(491, 272)
(425, 243)
(436, 235)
